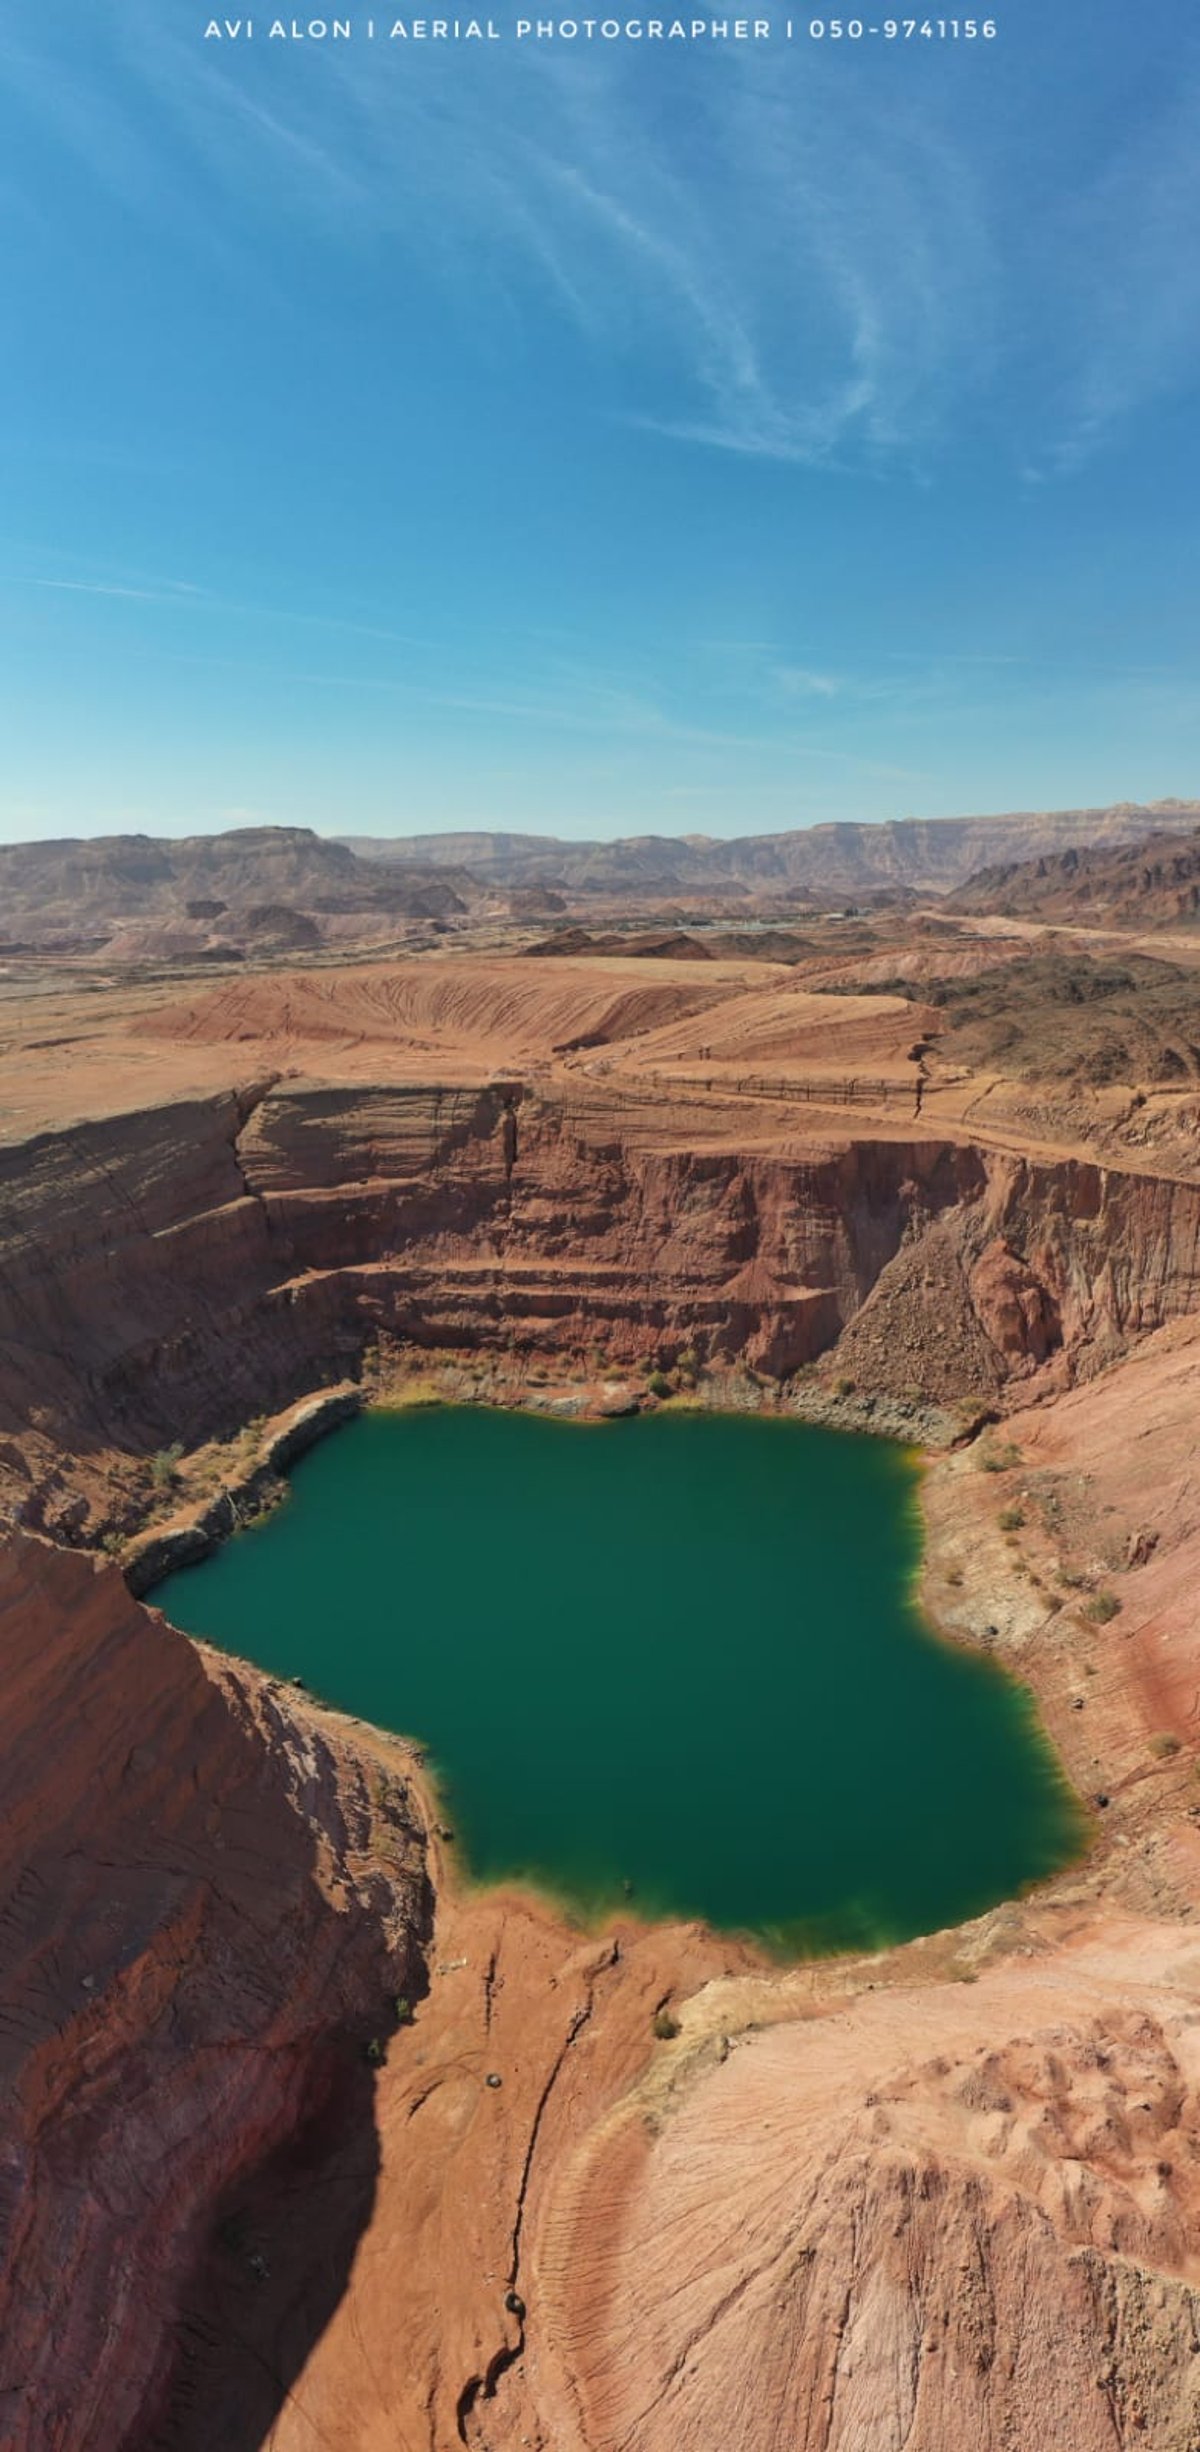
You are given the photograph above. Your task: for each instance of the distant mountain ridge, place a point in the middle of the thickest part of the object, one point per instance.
(275, 889)
(926, 855)
(255, 888)
(1150, 883)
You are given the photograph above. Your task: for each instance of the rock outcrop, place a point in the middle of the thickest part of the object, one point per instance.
(916, 2223)
(1139, 885)
(211, 1897)
(191, 1265)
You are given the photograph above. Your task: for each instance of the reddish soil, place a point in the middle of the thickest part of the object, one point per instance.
(944, 2200)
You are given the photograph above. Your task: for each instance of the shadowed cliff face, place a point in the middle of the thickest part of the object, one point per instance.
(188, 1266)
(208, 1903)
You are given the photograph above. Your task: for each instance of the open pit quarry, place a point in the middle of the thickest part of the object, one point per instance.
(257, 2188)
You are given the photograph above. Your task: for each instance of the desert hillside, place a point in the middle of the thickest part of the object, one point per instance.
(929, 855)
(1151, 883)
(256, 890)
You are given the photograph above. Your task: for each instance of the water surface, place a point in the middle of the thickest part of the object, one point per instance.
(678, 1652)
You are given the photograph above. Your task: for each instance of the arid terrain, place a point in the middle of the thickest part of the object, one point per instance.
(1155, 879)
(922, 1168)
(274, 891)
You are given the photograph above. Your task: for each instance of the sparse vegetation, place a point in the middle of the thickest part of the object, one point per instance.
(1101, 1607)
(164, 1467)
(1011, 1519)
(998, 1455)
(1065, 1016)
(666, 2027)
(658, 1383)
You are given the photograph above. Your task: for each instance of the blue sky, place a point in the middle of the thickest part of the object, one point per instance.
(595, 439)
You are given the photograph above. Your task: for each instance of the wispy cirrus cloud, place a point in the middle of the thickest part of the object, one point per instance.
(1127, 291)
(102, 587)
(780, 253)
(186, 597)
(797, 681)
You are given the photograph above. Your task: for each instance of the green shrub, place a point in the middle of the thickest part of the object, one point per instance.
(666, 2027)
(1011, 1519)
(403, 2009)
(658, 1383)
(164, 1467)
(843, 1387)
(1164, 1745)
(1101, 1607)
(998, 1456)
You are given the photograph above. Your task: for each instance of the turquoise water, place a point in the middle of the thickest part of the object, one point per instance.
(677, 1652)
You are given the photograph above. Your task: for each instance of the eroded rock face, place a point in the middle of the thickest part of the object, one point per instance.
(910, 2225)
(210, 1899)
(210, 1259)
(1016, 1313)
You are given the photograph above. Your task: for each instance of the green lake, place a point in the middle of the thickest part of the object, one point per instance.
(678, 1652)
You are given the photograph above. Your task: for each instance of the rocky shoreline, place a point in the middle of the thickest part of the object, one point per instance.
(182, 1529)
(193, 1534)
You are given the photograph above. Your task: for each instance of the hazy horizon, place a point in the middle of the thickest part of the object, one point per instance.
(166, 832)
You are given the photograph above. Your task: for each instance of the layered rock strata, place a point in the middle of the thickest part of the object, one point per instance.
(210, 1899)
(187, 1266)
(911, 2214)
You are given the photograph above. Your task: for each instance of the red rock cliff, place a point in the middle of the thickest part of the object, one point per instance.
(210, 1899)
(183, 1268)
